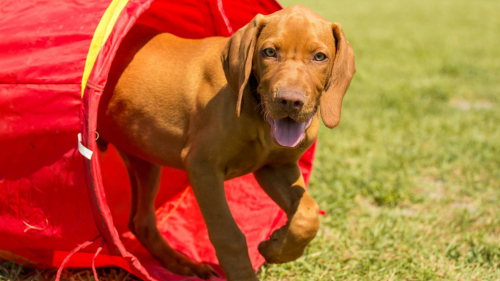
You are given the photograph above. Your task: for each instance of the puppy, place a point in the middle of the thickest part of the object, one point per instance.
(171, 102)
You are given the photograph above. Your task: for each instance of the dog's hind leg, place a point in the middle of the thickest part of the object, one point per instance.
(133, 189)
(145, 182)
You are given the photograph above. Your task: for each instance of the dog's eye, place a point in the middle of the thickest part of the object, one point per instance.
(270, 52)
(319, 57)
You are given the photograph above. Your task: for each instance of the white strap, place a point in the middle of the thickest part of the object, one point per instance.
(87, 153)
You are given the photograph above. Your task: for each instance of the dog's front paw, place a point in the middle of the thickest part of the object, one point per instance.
(275, 250)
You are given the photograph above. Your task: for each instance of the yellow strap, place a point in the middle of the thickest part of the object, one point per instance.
(101, 34)
(177, 204)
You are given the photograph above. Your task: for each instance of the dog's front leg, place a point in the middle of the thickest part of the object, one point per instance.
(286, 187)
(228, 240)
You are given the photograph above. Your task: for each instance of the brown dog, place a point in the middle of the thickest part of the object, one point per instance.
(172, 103)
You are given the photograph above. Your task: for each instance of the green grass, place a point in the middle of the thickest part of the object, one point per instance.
(10, 271)
(410, 179)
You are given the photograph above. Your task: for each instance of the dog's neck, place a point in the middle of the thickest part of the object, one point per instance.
(253, 88)
(252, 101)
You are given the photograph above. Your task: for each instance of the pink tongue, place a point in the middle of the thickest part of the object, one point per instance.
(288, 132)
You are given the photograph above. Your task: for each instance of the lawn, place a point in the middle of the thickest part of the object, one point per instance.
(410, 179)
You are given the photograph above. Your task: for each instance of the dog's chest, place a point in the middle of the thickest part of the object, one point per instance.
(246, 159)
(254, 156)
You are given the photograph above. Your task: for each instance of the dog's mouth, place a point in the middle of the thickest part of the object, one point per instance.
(288, 132)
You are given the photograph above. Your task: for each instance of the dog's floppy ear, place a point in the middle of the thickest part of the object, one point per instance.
(237, 57)
(341, 75)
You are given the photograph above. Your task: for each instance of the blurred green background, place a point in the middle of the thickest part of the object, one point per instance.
(410, 179)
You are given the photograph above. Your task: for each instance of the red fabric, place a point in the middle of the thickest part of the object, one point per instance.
(51, 198)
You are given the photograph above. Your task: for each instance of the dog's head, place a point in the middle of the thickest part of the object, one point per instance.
(296, 61)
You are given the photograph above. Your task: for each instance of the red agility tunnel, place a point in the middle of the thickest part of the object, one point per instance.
(63, 203)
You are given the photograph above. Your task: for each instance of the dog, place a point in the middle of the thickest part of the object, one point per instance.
(171, 102)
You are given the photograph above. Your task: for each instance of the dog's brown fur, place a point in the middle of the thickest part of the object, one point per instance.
(170, 102)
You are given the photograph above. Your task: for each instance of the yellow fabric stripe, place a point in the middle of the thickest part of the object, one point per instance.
(101, 34)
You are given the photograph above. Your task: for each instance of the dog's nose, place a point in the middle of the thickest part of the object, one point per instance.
(291, 100)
